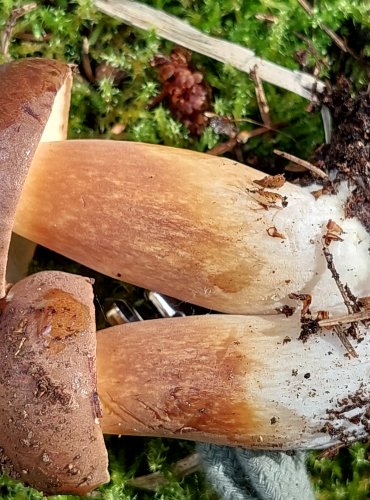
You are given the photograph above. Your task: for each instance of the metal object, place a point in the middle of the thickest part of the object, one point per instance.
(121, 313)
(163, 306)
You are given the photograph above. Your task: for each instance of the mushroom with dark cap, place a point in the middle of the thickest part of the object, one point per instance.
(198, 228)
(186, 224)
(49, 411)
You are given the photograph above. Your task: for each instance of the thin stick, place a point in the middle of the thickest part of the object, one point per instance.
(171, 28)
(348, 301)
(86, 64)
(182, 468)
(331, 34)
(345, 319)
(11, 22)
(344, 339)
(303, 163)
(261, 98)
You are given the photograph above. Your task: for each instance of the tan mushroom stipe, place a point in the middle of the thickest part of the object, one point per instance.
(189, 225)
(232, 380)
(197, 227)
(50, 436)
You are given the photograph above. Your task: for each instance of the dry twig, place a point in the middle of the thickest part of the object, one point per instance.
(86, 64)
(181, 33)
(11, 22)
(351, 305)
(331, 34)
(345, 319)
(349, 301)
(261, 98)
(180, 469)
(303, 163)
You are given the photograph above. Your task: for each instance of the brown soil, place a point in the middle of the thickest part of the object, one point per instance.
(347, 157)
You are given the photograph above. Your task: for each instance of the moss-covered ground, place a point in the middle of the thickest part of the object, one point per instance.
(278, 30)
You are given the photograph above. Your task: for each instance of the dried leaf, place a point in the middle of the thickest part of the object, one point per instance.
(333, 232)
(274, 233)
(268, 199)
(306, 298)
(332, 226)
(271, 181)
(318, 193)
(322, 315)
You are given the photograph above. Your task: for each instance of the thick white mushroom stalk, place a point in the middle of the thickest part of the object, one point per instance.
(191, 225)
(235, 380)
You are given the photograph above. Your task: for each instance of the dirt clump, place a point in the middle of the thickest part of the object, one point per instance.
(347, 157)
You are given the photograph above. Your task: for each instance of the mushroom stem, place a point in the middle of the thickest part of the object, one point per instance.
(233, 380)
(189, 225)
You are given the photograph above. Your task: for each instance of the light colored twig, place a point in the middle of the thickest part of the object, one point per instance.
(86, 64)
(331, 34)
(341, 334)
(303, 163)
(180, 469)
(261, 98)
(11, 22)
(345, 319)
(179, 32)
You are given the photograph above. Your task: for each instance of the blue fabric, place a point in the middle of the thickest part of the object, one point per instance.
(239, 474)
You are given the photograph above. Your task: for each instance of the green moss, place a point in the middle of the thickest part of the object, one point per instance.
(97, 107)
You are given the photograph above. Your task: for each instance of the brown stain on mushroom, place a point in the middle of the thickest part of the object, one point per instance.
(58, 316)
(195, 224)
(191, 385)
(230, 281)
(213, 401)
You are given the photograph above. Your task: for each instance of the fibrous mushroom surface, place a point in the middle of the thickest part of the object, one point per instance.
(189, 225)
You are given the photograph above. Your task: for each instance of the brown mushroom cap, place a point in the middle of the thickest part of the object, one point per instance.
(50, 436)
(29, 89)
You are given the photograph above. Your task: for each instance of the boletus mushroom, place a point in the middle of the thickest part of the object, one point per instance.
(218, 234)
(49, 410)
(197, 227)
(189, 225)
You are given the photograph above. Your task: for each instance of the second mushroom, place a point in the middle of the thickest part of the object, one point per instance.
(202, 229)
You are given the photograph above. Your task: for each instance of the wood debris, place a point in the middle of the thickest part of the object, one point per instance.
(274, 233)
(271, 181)
(261, 98)
(268, 199)
(333, 232)
(303, 163)
(10, 24)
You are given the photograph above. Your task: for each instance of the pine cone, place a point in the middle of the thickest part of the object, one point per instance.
(186, 93)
